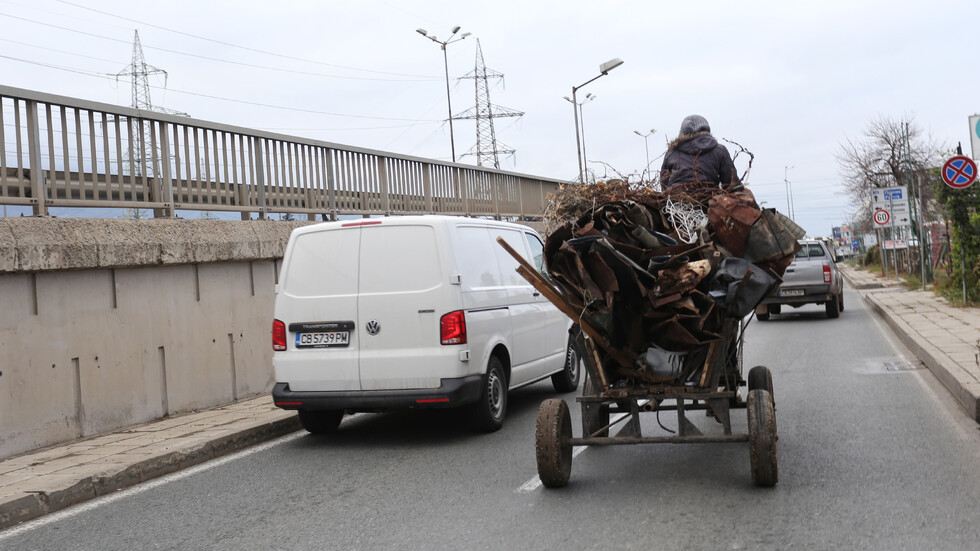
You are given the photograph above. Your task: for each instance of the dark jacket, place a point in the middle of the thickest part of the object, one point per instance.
(697, 158)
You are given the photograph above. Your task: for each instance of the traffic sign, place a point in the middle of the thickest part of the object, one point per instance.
(959, 172)
(894, 200)
(882, 218)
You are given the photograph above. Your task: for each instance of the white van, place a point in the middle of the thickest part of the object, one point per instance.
(414, 311)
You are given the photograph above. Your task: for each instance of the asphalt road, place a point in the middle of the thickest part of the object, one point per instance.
(873, 454)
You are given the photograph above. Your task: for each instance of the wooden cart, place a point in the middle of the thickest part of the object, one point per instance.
(714, 387)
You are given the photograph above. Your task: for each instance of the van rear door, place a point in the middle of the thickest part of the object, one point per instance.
(404, 289)
(318, 296)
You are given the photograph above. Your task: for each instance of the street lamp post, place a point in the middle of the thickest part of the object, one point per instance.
(603, 70)
(789, 193)
(445, 62)
(646, 145)
(581, 114)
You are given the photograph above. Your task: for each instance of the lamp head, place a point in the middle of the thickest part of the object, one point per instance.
(610, 65)
(456, 29)
(422, 32)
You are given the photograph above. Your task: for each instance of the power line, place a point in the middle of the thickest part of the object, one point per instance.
(230, 62)
(208, 96)
(246, 48)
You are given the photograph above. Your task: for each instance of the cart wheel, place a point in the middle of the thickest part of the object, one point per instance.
(761, 377)
(762, 438)
(552, 443)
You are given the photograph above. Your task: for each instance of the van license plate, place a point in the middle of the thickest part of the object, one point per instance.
(322, 340)
(791, 293)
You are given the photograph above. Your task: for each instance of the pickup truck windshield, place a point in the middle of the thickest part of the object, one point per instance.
(810, 250)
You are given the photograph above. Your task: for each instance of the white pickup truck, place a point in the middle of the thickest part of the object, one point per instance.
(812, 278)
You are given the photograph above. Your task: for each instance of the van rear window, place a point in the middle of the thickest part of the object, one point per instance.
(323, 264)
(398, 259)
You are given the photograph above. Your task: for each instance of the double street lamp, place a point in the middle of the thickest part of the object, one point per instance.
(603, 70)
(646, 145)
(581, 114)
(445, 61)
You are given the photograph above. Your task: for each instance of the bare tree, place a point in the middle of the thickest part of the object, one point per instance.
(890, 153)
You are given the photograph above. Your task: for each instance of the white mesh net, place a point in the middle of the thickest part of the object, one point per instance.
(687, 219)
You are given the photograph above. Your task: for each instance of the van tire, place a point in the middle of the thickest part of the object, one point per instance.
(567, 379)
(323, 421)
(487, 414)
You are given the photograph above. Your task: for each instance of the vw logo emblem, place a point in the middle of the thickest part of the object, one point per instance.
(373, 327)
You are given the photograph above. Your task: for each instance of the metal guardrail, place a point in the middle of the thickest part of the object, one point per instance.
(57, 151)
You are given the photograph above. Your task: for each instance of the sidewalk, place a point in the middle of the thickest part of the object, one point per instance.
(945, 338)
(47, 480)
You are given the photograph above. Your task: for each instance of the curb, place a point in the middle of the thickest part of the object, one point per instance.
(963, 395)
(40, 503)
(966, 398)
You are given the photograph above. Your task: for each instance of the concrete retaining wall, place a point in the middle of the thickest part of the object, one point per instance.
(110, 323)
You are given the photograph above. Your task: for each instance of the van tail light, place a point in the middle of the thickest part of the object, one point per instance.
(278, 335)
(452, 328)
(826, 273)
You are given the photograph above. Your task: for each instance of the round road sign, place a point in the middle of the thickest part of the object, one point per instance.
(881, 217)
(959, 172)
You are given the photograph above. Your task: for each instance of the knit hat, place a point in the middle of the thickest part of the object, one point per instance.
(693, 124)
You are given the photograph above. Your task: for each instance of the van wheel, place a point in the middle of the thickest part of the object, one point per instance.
(488, 412)
(321, 421)
(566, 380)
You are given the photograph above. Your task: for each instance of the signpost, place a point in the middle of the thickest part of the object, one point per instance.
(959, 172)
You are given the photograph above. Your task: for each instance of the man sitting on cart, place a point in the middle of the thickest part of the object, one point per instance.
(696, 158)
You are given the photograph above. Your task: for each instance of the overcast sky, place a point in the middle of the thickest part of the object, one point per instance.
(789, 81)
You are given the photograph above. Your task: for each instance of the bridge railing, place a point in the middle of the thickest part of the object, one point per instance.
(57, 151)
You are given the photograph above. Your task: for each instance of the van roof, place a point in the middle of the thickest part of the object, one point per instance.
(410, 220)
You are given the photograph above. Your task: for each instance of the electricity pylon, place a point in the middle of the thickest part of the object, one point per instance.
(140, 71)
(487, 148)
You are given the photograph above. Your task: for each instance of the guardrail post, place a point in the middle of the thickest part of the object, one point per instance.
(166, 182)
(39, 191)
(331, 184)
(458, 177)
(385, 192)
(495, 194)
(260, 177)
(520, 198)
(427, 187)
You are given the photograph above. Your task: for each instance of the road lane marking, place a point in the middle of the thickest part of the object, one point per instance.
(143, 487)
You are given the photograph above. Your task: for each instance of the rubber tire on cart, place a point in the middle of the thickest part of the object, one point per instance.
(833, 308)
(761, 377)
(841, 296)
(323, 421)
(762, 438)
(600, 417)
(566, 380)
(552, 443)
(762, 316)
(487, 414)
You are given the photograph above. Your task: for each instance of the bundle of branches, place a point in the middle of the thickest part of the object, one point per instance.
(652, 292)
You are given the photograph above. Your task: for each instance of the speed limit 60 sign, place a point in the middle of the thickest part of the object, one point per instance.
(882, 217)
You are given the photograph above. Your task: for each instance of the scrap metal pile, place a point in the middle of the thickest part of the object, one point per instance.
(654, 275)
